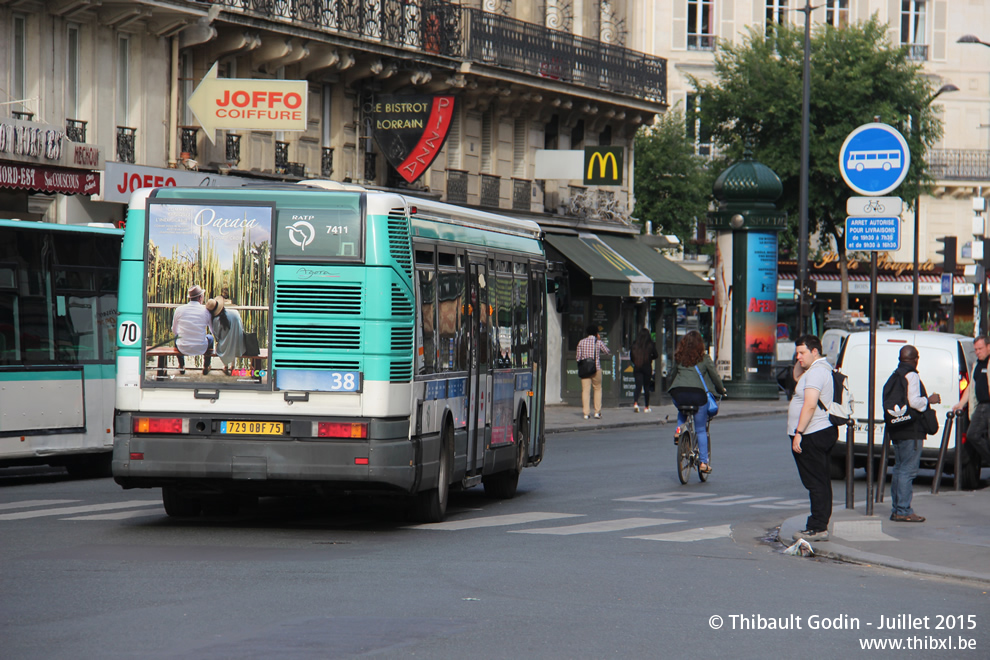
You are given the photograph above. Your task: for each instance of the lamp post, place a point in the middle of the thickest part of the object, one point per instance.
(971, 39)
(917, 202)
(802, 281)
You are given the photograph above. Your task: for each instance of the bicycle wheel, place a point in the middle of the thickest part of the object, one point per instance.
(685, 456)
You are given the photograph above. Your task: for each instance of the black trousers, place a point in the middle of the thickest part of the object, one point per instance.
(812, 465)
(643, 377)
(978, 432)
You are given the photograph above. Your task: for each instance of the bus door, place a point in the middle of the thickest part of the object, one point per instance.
(538, 341)
(478, 362)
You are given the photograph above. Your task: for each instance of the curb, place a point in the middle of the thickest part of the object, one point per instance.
(838, 552)
(656, 422)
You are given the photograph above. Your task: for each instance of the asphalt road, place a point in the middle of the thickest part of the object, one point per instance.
(602, 554)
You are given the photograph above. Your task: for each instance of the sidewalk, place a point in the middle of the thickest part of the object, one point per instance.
(954, 542)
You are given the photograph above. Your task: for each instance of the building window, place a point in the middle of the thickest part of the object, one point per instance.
(19, 60)
(72, 72)
(488, 140)
(776, 13)
(701, 35)
(551, 133)
(123, 70)
(520, 132)
(699, 134)
(837, 13)
(577, 135)
(453, 145)
(913, 28)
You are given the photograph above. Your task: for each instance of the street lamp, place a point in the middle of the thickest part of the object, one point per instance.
(970, 39)
(917, 201)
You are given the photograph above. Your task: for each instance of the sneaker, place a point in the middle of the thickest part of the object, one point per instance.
(808, 535)
(646, 410)
(635, 407)
(587, 417)
(598, 416)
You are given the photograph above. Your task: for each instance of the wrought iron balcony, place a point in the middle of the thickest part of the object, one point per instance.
(959, 165)
(490, 185)
(75, 130)
(466, 33)
(457, 186)
(326, 162)
(189, 145)
(23, 115)
(296, 169)
(125, 144)
(530, 48)
(281, 157)
(917, 52)
(522, 190)
(232, 151)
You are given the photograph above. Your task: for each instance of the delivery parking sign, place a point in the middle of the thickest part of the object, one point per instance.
(874, 159)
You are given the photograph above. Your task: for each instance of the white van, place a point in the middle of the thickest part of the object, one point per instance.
(945, 364)
(832, 344)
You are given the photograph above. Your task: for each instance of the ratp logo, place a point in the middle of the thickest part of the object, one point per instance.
(301, 233)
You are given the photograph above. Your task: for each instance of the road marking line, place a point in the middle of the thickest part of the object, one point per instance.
(783, 504)
(68, 510)
(666, 497)
(122, 515)
(26, 504)
(730, 500)
(688, 535)
(495, 521)
(597, 527)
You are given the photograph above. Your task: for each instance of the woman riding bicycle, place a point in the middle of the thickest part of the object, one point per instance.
(687, 389)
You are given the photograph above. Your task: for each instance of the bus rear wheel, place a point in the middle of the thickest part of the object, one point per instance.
(502, 485)
(179, 505)
(430, 506)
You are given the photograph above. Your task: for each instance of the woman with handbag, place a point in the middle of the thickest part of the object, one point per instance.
(590, 370)
(643, 353)
(693, 384)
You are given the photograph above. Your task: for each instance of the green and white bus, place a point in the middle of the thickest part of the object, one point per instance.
(401, 347)
(58, 316)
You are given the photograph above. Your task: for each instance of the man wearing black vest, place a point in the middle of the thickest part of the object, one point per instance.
(977, 397)
(908, 439)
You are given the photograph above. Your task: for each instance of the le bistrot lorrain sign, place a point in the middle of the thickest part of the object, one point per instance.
(410, 130)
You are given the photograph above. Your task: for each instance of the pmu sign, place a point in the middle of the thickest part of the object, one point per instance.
(248, 104)
(603, 166)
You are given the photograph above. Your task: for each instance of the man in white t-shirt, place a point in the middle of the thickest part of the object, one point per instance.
(189, 325)
(812, 435)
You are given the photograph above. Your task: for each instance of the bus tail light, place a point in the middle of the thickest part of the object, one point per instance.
(341, 430)
(360, 461)
(161, 425)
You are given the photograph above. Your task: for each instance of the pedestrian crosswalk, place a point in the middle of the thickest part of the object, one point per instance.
(674, 524)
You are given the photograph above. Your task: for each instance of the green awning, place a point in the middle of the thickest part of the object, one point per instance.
(624, 267)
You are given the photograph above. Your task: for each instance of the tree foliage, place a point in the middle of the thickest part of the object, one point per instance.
(856, 76)
(673, 185)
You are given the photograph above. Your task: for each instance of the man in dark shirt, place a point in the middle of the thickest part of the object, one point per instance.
(978, 389)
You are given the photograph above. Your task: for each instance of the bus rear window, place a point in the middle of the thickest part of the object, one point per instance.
(334, 234)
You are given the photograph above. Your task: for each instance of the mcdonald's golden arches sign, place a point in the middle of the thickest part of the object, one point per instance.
(603, 166)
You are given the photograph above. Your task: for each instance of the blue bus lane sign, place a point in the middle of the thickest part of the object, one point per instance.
(874, 159)
(873, 234)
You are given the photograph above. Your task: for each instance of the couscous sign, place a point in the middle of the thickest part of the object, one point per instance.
(249, 104)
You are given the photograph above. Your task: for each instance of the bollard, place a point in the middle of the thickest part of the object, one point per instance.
(850, 482)
(882, 467)
(958, 451)
(946, 432)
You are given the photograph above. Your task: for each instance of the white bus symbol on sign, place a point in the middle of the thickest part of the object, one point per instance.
(874, 159)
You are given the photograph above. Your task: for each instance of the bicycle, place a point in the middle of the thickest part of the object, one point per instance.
(688, 455)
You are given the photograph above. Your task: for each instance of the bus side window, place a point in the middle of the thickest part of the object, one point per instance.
(427, 359)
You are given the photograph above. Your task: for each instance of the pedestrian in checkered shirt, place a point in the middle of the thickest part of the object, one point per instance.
(592, 347)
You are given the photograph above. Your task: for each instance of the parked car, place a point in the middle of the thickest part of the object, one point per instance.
(945, 364)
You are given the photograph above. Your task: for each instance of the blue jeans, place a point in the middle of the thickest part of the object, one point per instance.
(907, 457)
(692, 397)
